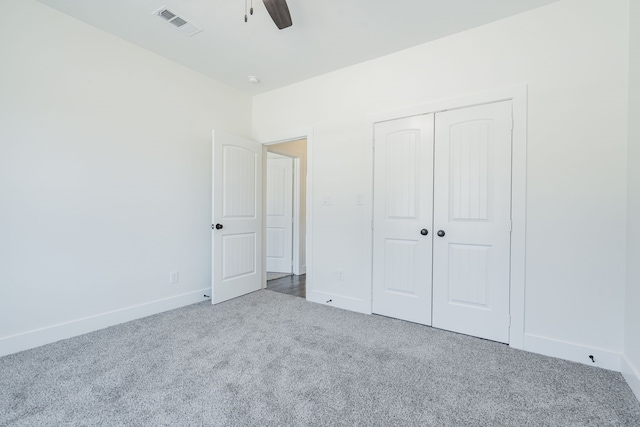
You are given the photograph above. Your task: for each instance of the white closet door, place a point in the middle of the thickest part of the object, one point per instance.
(279, 213)
(472, 199)
(237, 216)
(403, 185)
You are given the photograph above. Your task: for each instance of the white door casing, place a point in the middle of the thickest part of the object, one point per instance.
(299, 220)
(472, 207)
(279, 213)
(237, 208)
(402, 206)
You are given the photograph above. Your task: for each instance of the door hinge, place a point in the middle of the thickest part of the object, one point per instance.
(510, 226)
(508, 321)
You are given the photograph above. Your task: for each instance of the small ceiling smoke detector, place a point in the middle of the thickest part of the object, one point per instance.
(254, 80)
(177, 22)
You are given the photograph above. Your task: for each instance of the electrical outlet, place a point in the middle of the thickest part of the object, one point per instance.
(341, 274)
(173, 277)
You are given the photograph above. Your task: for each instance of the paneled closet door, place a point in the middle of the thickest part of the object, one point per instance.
(472, 220)
(403, 207)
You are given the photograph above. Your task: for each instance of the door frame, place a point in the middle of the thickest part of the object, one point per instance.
(298, 268)
(289, 136)
(517, 94)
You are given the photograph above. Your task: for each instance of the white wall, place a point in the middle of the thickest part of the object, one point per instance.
(574, 57)
(105, 177)
(631, 365)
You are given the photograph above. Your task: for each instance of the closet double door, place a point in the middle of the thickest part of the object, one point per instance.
(442, 220)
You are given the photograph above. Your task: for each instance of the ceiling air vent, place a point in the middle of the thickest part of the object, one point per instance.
(176, 21)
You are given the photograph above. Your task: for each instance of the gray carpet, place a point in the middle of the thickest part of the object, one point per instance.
(269, 359)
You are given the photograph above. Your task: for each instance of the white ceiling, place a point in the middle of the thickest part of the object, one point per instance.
(326, 34)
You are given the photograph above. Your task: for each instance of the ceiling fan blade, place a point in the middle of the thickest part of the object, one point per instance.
(279, 12)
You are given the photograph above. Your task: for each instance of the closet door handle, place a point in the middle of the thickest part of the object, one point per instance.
(218, 226)
(424, 231)
(441, 233)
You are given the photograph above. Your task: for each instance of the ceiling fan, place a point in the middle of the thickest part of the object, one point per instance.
(278, 10)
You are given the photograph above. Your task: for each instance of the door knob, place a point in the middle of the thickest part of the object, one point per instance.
(218, 226)
(441, 233)
(424, 231)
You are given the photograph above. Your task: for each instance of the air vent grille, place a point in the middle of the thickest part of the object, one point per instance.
(176, 21)
(166, 14)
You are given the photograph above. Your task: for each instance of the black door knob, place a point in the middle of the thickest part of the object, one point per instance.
(218, 226)
(424, 231)
(441, 233)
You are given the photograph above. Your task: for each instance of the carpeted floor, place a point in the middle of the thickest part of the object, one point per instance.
(268, 359)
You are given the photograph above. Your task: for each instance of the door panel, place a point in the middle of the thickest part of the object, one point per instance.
(403, 183)
(237, 207)
(279, 214)
(239, 181)
(472, 206)
(468, 274)
(469, 171)
(237, 253)
(401, 257)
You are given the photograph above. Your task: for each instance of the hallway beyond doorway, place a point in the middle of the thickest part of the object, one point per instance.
(290, 285)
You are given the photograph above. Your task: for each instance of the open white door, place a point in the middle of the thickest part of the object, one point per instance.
(279, 213)
(237, 217)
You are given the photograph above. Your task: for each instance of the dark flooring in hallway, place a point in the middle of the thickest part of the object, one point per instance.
(290, 285)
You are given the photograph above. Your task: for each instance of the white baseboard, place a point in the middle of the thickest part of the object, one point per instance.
(574, 352)
(632, 375)
(339, 301)
(299, 269)
(35, 338)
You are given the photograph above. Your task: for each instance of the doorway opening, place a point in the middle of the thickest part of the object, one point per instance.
(285, 217)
